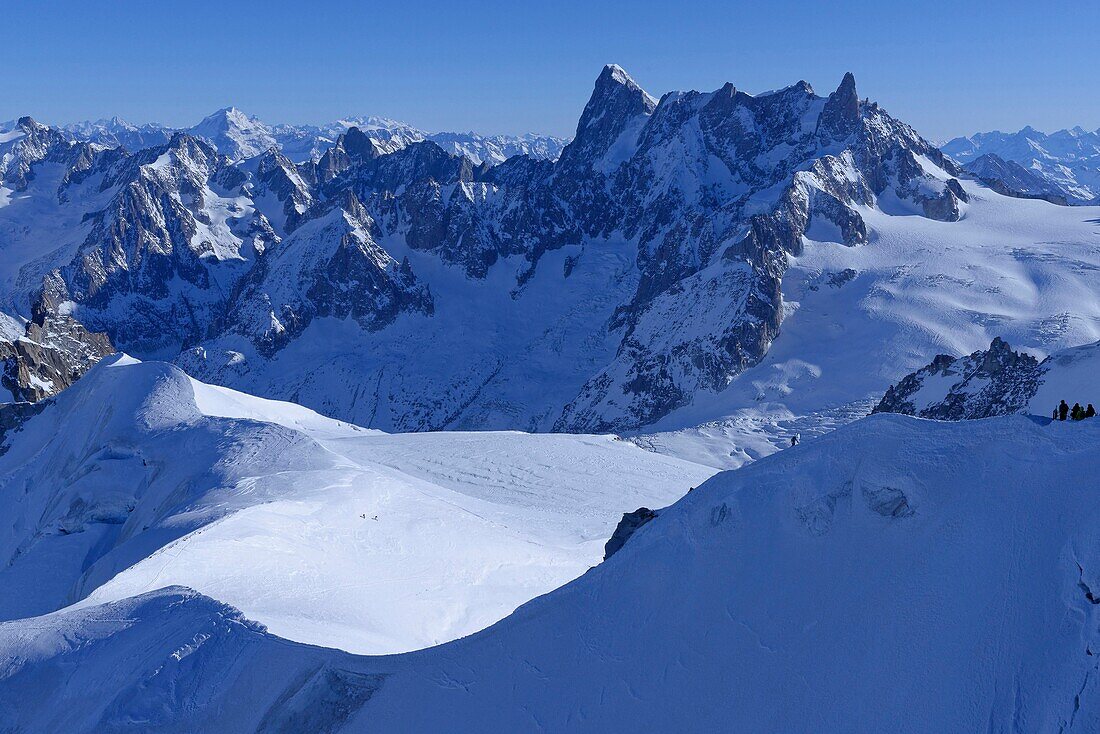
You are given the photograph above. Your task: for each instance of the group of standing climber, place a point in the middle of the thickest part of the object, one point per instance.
(1075, 413)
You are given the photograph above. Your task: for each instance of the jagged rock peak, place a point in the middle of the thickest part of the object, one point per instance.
(271, 159)
(995, 381)
(357, 143)
(847, 88)
(615, 89)
(617, 74)
(190, 147)
(616, 103)
(841, 113)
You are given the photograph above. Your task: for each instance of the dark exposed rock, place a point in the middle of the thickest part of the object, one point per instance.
(627, 526)
(836, 280)
(14, 415)
(54, 351)
(996, 381)
(840, 116)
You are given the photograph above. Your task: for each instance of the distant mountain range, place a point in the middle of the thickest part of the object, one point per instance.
(237, 135)
(1064, 165)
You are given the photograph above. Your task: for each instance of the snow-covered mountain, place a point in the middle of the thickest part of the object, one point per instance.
(1012, 179)
(238, 135)
(997, 381)
(139, 477)
(1066, 162)
(684, 258)
(234, 134)
(309, 143)
(117, 132)
(896, 575)
(494, 149)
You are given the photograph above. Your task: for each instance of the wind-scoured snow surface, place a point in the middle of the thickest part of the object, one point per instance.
(896, 575)
(139, 478)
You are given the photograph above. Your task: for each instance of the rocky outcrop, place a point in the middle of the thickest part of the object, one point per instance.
(13, 416)
(53, 353)
(627, 526)
(991, 382)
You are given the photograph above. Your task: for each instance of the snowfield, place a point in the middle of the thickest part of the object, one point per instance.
(895, 575)
(140, 477)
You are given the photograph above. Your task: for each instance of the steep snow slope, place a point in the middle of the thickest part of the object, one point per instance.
(896, 575)
(858, 319)
(1069, 375)
(139, 477)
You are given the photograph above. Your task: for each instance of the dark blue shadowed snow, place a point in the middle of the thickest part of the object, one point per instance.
(895, 575)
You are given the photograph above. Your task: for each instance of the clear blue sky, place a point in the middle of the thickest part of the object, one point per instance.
(948, 68)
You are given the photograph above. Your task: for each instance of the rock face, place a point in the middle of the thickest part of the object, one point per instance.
(53, 353)
(996, 381)
(235, 264)
(1062, 167)
(627, 526)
